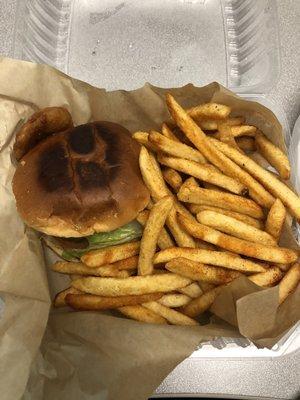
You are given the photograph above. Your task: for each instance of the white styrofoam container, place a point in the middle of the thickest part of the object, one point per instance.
(119, 44)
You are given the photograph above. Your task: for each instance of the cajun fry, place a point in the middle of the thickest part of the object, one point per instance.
(234, 227)
(219, 199)
(60, 298)
(174, 300)
(153, 227)
(226, 136)
(246, 143)
(96, 258)
(200, 272)
(212, 124)
(133, 285)
(164, 240)
(289, 282)
(202, 303)
(273, 155)
(205, 286)
(267, 278)
(167, 132)
(217, 258)
(193, 290)
(173, 178)
(172, 316)
(211, 153)
(92, 302)
(174, 148)
(275, 219)
(143, 139)
(255, 250)
(209, 110)
(129, 263)
(274, 185)
(78, 268)
(182, 238)
(142, 314)
(243, 130)
(204, 173)
(200, 244)
(197, 208)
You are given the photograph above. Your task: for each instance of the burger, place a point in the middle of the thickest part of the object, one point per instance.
(80, 186)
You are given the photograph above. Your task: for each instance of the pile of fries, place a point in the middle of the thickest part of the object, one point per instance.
(214, 215)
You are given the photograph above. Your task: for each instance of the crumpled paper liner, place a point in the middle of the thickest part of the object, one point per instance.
(57, 354)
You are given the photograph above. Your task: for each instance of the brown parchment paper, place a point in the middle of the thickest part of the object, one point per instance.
(47, 354)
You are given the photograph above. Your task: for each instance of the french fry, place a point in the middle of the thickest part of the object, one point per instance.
(200, 244)
(164, 240)
(182, 238)
(215, 156)
(133, 285)
(227, 201)
(209, 110)
(273, 155)
(174, 300)
(226, 136)
(91, 302)
(246, 143)
(78, 268)
(255, 250)
(172, 316)
(202, 303)
(217, 258)
(243, 130)
(193, 290)
(96, 258)
(153, 227)
(289, 282)
(204, 173)
(200, 272)
(142, 314)
(274, 185)
(60, 298)
(212, 124)
(174, 148)
(267, 278)
(129, 263)
(173, 178)
(197, 208)
(205, 286)
(143, 139)
(167, 132)
(234, 227)
(275, 219)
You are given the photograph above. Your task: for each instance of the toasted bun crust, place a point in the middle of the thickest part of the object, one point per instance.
(81, 181)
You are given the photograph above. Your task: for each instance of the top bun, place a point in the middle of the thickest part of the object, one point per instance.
(81, 181)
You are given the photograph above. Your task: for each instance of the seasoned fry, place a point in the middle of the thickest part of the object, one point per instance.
(289, 282)
(218, 258)
(202, 303)
(275, 219)
(274, 185)
(197, 208)
(60, 298)
(200, 272)
(172, 316)
(167, 132)
(182, 238)
(173, 178)
(209, 110)
(226, 136)
(174, 300)
(193, 290)
(243, 130)
(174, 148)
(273, 155)
(219, 199)
(204, 173)
(142, 314)
(153, 227)
(200, 244)
(129, 263)
(212, 124)
(255, 250)
(96, 258)
(143, 139)
(246, 143)
(133, 285)
(164, 240)
(234, 227)
(216, 157)
(92, 302)
(78, 268)
(267, 278)
(205, 286)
